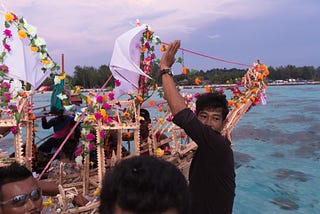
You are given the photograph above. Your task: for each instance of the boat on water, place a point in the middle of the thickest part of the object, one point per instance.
(104, 113)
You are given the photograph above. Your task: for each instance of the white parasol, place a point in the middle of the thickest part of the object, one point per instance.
(125, 61)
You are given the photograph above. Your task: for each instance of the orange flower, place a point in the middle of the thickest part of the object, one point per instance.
(22, 34)
(264, 67)
(208, 90)
(160, 109)
(143, 48)
(32, 117)
(105, 97)
(230, 103)
(34, 48)
(244, 100)
(238, 105)
(254, 90)
(162, 48)
(256, 84)
(197, 81)
(252, 98)
(151, 102)
(266, 73)
(127, 134)
(140, 99)
(34, 129)
(24, 94)
(149, 33)
(184, 70)
(260, 77)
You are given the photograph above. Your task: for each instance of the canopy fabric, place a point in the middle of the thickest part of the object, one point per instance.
(125, 61)
(56, 106)
(23, 64)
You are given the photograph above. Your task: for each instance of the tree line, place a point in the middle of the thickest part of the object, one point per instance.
(91, 77)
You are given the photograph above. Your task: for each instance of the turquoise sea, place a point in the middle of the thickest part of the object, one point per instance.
(277, 151)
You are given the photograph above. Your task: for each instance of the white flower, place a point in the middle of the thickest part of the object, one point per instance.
(68, 107)
(43, 55)
(56, 80)
(31, 30)
(79, 160)
(39, 41)
(48, 66)
(15, 87)
(62, 96)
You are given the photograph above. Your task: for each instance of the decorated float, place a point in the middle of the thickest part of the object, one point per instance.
(25, 62)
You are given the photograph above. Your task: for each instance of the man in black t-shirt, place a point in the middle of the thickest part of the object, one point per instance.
(211, 175)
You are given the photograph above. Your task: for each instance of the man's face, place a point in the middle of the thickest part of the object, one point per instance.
(212, 118)
(26, 186)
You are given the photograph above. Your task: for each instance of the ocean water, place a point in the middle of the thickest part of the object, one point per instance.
(276, 147)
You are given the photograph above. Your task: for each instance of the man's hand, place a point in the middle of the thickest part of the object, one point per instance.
(168, 57)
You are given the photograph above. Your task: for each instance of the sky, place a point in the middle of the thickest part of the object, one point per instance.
(278, 32)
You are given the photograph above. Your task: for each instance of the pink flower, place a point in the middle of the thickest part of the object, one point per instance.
(97, 115)
(8, 97)
(90, 146)
(7, 33)
(147, 45)
(106, 106)
(117, 82)
(13, 107)
(99, 99)
(90, 137)
(14, 129)
(78, 151)
(111, 96)
(196, 95)
(102, 134)
(5, 84)
(7, 47)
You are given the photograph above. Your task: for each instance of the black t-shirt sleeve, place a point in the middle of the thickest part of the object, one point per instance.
(201, 134)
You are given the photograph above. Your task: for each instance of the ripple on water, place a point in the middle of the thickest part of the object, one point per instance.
(285, 203)
(289, 174)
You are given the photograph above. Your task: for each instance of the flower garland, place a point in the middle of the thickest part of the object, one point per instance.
(148, 57)
(12, 90)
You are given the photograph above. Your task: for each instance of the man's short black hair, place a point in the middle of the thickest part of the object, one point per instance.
(13, 173)
(211, 101)
(144, 185)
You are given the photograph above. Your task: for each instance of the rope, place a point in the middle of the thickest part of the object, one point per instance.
(70, 133)
(211, 57)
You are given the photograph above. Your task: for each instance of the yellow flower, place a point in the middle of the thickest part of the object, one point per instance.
(96, 192)
(62, 76)
(88, 99)
(46, 62)
(22, 34)
(161, 120)
(9, 17)
(34, 48)
(103, 112)
(48, 203)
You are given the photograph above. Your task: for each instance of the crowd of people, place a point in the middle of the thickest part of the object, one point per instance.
(146, 184)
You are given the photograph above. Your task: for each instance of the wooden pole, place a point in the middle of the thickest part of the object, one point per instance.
(62, 63)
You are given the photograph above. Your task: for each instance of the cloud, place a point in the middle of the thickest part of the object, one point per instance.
(85, 29)
(213, 36)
